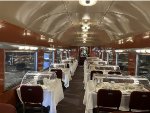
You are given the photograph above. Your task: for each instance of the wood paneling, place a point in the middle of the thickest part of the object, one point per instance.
(138, 42)
(40, 59)
(14, 34)
(9, 97)
(131, 63)
(2, 70)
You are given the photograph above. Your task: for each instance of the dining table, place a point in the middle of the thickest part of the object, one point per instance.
(52, 93)
(90, 96)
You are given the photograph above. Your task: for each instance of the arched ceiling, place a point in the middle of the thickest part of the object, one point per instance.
(61, 20)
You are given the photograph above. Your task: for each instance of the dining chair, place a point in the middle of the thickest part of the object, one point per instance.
(94, 72)
(140, 101)
(7, 108)
(58, 72)
(117, 72)
(32, 96)
(111, 72)
(121, 112)
(108, 100)
(68, 66)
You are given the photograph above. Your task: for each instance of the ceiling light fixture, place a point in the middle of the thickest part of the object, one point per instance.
(85, 30)
(84, 35)
(84, 41)
(87, 2)
(85, 27)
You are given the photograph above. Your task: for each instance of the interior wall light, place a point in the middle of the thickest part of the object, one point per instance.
(1, 26)
(50, 40)
(42, 37)
(120, 41)
(87, 2)
(129, 39)
(147, 35)
(26, 32)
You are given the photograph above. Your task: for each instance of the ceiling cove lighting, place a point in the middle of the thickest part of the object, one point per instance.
(87, 2)
(119, 51)
(143, 50)
(51, 49)
(27, 48)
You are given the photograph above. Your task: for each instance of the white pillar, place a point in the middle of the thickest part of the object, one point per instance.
(53, 56)
(108, 57)
(137, 63)
(116, 58)
(102, 55)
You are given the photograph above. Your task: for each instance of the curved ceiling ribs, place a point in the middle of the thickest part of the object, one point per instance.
(61, 20)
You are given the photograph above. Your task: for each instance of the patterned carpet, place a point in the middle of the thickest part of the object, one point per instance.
(73, 101)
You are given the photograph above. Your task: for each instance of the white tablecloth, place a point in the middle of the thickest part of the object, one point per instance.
(66, 76)
(90, 99)
(87, 74)
(51, 96)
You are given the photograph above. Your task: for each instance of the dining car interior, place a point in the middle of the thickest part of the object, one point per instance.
(74, 56)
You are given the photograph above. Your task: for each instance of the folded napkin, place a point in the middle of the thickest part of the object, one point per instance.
(50, 84)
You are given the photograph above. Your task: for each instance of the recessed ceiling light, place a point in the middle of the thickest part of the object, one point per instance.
(87, 2)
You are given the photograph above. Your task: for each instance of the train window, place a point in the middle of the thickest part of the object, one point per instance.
(16, 65)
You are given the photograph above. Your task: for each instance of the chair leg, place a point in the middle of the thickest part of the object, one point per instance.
(42, 109)
(97, 110)
(24, 108)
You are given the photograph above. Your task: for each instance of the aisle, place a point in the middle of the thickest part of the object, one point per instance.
(73, 101)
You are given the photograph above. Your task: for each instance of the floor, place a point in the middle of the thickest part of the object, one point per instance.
(73, 101)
